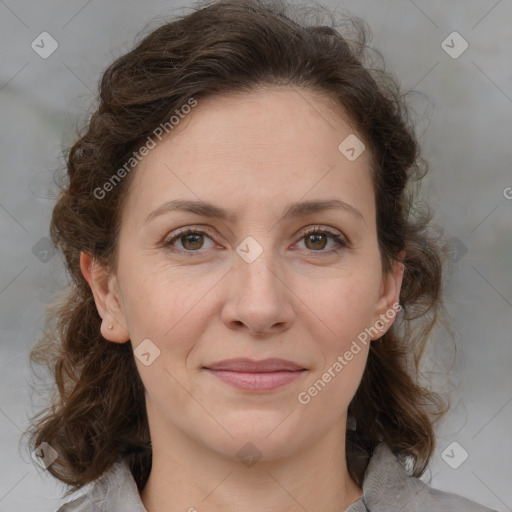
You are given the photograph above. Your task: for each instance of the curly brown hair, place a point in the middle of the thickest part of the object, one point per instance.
(97, 410)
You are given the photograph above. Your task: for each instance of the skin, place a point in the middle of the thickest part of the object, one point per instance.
(296, 301)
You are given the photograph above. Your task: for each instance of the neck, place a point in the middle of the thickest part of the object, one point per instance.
(187, 476)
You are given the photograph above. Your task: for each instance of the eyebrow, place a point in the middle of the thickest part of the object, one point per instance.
(293, 210)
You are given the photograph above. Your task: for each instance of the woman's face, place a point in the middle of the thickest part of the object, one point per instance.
(255, 283)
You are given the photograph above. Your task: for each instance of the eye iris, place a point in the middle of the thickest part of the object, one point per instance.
(194, 240)
(316, 237)
(195, 237)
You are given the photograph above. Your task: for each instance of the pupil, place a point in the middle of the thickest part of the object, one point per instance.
(316, 238)
(195, 239)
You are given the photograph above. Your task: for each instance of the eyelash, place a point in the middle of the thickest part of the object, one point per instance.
(339, 239)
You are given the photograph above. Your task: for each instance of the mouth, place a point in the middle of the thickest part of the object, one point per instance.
(250, 375)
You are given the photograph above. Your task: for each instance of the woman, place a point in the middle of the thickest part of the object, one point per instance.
(250, 284)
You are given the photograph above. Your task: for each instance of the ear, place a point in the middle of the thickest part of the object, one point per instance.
(106, 296)
(387, 304)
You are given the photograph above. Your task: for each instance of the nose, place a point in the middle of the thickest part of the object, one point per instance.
(259, 297)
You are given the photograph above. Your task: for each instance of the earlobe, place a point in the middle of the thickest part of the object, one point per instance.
(107, 303)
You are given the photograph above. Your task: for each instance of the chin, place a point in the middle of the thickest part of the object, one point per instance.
(261, 435)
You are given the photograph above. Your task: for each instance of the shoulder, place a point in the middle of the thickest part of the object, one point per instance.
(114, 491)
(387, 487)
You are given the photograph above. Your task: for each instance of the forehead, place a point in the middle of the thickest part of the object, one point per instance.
(260, 149)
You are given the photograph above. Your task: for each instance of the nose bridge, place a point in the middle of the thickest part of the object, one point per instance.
(258, 297)
(256, 264)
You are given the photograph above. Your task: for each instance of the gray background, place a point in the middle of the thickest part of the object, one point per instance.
(464, 118)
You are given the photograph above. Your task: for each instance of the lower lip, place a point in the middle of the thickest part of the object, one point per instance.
(257, 381)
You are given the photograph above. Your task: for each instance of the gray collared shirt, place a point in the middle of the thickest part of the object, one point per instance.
(386, 488)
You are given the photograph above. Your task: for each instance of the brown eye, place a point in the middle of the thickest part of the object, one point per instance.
(192, 241)
(318, 241)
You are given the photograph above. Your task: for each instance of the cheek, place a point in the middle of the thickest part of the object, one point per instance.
(153, 298)
(329, 392)
(342, 308)
(344, 347)
(170, 310)
(167, 315)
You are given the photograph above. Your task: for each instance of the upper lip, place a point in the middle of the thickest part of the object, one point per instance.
(251, 366)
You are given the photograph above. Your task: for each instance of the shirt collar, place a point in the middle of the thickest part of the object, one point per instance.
(115, 491)
(385, 483)
(387, 487)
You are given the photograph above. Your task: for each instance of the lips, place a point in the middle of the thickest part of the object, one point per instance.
(251, 366)
(256, 376)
